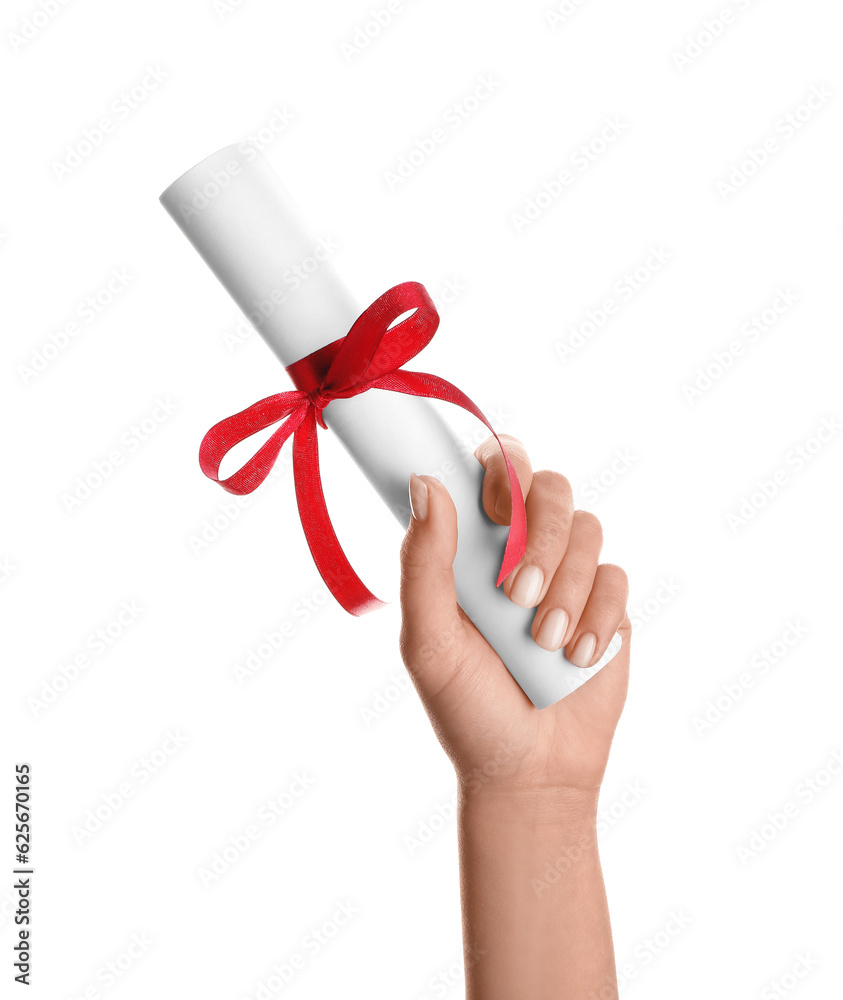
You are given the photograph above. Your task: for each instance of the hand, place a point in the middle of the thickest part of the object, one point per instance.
(486, 724)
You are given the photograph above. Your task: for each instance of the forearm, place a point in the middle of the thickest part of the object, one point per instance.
(535, 916)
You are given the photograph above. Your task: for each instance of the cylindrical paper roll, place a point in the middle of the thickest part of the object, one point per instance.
(238, 215)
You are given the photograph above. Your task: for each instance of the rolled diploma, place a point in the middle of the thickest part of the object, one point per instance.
(235, 211)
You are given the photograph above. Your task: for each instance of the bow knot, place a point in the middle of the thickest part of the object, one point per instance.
(392, 330)
(319, 400)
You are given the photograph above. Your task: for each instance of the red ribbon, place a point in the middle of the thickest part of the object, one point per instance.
(369, 356)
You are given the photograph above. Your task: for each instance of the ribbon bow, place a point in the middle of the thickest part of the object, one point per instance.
(369, 356)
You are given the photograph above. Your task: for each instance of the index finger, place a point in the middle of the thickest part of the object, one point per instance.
(496, 499)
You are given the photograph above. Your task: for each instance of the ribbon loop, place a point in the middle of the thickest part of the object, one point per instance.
(223, 436)
(376, 345)
(394, 328)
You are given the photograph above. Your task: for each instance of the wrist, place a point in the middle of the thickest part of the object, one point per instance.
(557, 808)
(534, 909)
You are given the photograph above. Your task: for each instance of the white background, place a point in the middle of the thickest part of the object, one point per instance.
(687, 802)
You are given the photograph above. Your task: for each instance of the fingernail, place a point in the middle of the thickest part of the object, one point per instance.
(582, 653)
(418, 497)
(527, 586)
(552, 629)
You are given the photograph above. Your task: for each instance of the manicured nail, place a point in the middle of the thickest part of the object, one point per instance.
(527, 586)
(418, 497)
(582, 653)
(552, 629)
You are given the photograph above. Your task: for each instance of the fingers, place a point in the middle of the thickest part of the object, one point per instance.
(571, 585)
(604, 612)
(550, 513)
(580, 603)
(496, 499)
(432, 631)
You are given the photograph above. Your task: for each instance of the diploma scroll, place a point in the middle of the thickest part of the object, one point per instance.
(240, 218)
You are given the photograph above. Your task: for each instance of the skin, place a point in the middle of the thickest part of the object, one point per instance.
(535, 916)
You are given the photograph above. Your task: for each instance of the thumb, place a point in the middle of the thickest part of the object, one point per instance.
(433, 638)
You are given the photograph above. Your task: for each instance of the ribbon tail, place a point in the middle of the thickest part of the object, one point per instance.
(431, 386)
(330, 560)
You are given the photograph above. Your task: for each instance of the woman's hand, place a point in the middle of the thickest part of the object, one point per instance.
(535, 915)
(486, 724)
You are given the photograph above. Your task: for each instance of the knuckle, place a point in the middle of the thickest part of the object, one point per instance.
(588, 522)
(547, 533)
(577, 580)
(408, 552)
(483, 453)
(553, 484)
(616, 577)
(416, 560)
(488, 449)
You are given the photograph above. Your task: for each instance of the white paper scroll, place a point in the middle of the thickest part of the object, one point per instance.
(238, 215)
